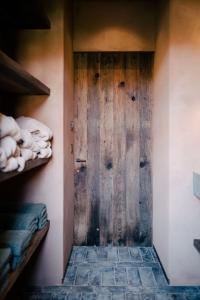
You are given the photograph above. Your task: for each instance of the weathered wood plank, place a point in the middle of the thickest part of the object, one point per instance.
(132, 148)
(113, 128)
(82, 206)
(106, 149)
(145, 100)
(119, 146)
(93, 135)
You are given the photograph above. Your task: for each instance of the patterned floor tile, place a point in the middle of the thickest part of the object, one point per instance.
(114, 273)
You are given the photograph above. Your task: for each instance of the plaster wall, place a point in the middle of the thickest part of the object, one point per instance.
(184, 140)
(114, 25)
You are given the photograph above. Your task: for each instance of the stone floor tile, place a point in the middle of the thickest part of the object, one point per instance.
(192, 297)
(132, 296)
(121, 276)
(146, 254)
(74, 296)
(118, 296)
(112, 253)
(70, 275)
(134, 277)
(80, 254)
(123, 254)
(108, 277)
(89, 296)
(104, 296)
(95, 277)
(147, 277)
(159, 276)
(82, 276)
(135, 254)
(148, 297)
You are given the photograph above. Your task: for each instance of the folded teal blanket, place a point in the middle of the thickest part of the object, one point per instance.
(18, 221)
(5, 256)
(17, 241)
(39, 210)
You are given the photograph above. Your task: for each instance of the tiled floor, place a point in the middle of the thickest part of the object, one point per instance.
(114, 273)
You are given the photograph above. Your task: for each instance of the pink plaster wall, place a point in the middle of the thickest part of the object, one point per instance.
(177, 141)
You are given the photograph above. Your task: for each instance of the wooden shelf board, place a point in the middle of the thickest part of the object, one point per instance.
(13, 79)
(31, 164)
(197, 244)
(23, 14)
(37, 239)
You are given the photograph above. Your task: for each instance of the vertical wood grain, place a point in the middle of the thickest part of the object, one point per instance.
(132, 135)
(145, 99)
(113, 106)
(106, 149)
(82, 207)
(93, 136)
(119, 147)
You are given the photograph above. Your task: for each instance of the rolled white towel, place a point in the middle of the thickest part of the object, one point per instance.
(42, 144)
(21, 164)
(28, 154)
(3, 159)
(26, 139)
(12, 165)
(9, 146)
(9, 127)
(35, 127)
(45, 153)
(17, 152)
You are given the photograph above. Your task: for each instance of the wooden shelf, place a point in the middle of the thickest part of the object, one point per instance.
(31, 164)
(197, 244)
(13, 79)
(39, 236)
(23, 14)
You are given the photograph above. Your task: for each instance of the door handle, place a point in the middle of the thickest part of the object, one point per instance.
(78, 160)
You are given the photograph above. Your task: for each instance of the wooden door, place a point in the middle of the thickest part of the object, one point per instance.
(113, 116)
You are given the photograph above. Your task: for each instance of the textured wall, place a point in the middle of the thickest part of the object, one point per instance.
(114, 26)
(176, 141)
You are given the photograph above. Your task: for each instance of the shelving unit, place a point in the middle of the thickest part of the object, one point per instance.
(30, 165)
(23, 14)
(13, 79)
(37, 239)
(14, 15)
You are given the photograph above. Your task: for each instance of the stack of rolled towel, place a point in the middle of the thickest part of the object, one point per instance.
(18, 223)
(21, 140)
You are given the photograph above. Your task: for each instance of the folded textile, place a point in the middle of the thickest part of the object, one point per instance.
(12, 165)
(17, 260)
(17, 241)
(3, 159)
(45, 153)
(28, 154)
(9, 127)
(39, 210)
(21, 164)
(26, 139)
(5, 256)
(35, 127)
(9, 145)
(19, 221)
